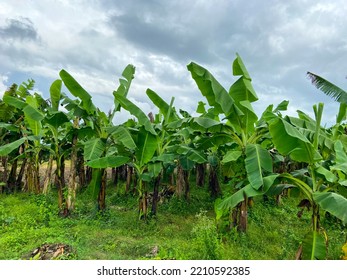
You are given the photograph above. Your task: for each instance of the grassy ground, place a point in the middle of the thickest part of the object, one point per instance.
(181, 230)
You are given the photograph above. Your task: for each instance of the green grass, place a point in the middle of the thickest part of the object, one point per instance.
(181, 230)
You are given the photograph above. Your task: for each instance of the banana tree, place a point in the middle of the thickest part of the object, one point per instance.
(145, 141)
(294, 141)
(31, 108)
(98, 151)
(236, 108)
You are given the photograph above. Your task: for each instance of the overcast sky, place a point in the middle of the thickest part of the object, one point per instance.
(279, 41)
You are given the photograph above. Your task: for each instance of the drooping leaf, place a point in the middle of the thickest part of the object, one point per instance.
(314, 245)
(155, 168)
(14, 101)
(186, 163)
(94, 149)
(231, 156)
(224, 206)
(214, 92)
(162, 105)
(257, 160)
(192, 154)
(206, 122)
(9, 127)
(289, 141)
(8, 148)
(333, 203)
(123, 135)
(137, 112)
(57, 119)
(328, 175)
(165, 158)
(78, 91)
(109, 161)
(328, 88)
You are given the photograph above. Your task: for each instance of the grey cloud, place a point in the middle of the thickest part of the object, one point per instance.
(21, 28)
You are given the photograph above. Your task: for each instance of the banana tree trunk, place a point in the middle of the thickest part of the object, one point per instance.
(214, 185)
(60, 184)
(89, 175)
(200, 175)
(19, 181)
(4, 162)
(48, 177)
(81, 171)
(11, 181)
(72, 186)
(182, 183)
(114, 176)
(128, 178)
(102, 191)
(156, 194)
(243, 220)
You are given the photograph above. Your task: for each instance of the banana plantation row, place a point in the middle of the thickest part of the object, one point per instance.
(264, 155)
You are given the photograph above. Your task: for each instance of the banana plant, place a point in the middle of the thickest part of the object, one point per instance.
(241, 120)
(98, 151)
(145, 140)
(295, 141)
(31, 108)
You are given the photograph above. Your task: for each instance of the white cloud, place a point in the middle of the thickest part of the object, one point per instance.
(3, 84)
(95, 40)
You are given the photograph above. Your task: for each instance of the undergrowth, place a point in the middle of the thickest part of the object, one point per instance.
(181, 230)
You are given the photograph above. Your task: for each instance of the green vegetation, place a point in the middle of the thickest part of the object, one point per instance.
(181, 230)
(225, 184)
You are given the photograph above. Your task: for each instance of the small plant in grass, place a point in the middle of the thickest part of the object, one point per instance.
(206, 237)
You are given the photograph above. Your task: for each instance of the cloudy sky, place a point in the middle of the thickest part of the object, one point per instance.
(279, 41)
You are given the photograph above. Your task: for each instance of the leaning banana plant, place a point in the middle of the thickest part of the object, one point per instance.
(236, 107)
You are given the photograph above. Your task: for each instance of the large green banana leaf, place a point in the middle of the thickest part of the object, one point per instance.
(94, 149)
(162, 105)
(214, 92)
(57, 119)
(231, 156)
(147, 145)
(333, 203)
(289, 141)
(77, 90)
(239, 68)
(33, 117)
(8, 148)
(55, 93)
(123, 135)
(225, 205)
(124, 84)
(109, 161)
(257, 160)
(137, 112)
(14, 101)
